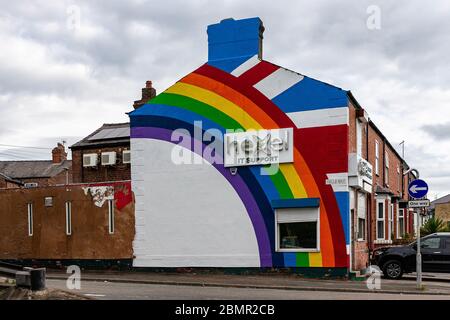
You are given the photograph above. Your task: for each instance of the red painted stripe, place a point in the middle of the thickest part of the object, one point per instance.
(257, 73)
(283, 120)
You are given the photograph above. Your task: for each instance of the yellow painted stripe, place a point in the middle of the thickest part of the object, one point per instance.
(218, 102)
(293, 179)
(240, 115)
(315, 259)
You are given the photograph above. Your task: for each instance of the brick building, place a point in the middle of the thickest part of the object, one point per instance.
(103, 155)
(37, 173)
(8, 183)
(378, 181)
(440, 208)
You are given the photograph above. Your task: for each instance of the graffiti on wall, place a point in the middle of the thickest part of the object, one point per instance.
(99, 194)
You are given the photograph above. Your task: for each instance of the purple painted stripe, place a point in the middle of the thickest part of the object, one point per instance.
(238, 184)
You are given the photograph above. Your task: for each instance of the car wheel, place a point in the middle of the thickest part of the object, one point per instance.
(393, 269)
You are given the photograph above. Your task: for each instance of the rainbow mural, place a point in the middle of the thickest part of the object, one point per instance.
(255, 94)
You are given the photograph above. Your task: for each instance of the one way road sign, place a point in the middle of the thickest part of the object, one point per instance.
(418, 188)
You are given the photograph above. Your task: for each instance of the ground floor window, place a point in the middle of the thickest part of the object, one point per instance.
(401, 223)
(297, 229)
(362, 214)
(380, 220)
(30, 219)
(68, 218)
(361, 229)
(111, 216)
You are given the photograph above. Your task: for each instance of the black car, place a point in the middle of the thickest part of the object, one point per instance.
(394, 261)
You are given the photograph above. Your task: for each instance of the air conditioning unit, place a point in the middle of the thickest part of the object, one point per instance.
(126, 156)
(30, 185)
(90, 160)
(108, 158)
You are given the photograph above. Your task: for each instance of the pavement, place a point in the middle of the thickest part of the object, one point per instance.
(263, 281)
(142, 291)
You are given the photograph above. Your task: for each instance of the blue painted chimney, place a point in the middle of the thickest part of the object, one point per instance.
(231, 42)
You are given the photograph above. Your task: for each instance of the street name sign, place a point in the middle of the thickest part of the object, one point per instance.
(419, 203)
(418, 188)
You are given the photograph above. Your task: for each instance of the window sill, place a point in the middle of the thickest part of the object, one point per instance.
(382, 241)
(297, 250)
(361, 240)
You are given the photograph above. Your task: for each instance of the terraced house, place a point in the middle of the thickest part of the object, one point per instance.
(339, 190)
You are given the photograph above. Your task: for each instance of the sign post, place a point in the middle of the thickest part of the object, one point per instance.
(418, 189)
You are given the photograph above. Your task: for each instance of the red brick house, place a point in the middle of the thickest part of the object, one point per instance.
(103, 156)
(378, 193)
(37, 173)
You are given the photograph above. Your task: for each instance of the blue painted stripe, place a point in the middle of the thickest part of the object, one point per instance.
(296, 203)
(343, 201)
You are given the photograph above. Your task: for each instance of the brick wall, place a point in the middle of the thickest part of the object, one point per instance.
(118, 172)
(90, 238)
(442, 211)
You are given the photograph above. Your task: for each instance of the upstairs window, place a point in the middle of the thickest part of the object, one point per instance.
(386, 169)
(377, 158)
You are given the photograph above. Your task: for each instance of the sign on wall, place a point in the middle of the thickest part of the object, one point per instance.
(258, 147)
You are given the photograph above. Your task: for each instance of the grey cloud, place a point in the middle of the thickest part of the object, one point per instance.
(438, 131)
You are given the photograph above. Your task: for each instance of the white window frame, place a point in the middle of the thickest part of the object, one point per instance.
(383, 219)
(277, 232)
(111, 217)
(390, 220)
(30, 219)
(358, 229)
(399, 235)
(377, 158)
(68, 218)
(361, 216)
(123, 156)
(386, 168)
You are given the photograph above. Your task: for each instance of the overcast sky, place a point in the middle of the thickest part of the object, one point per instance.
(61, 78)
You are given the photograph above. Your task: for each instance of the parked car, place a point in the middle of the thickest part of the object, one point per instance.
(395, 261)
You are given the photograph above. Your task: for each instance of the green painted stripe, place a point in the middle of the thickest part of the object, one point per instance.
(198, 107)
(221, 119)
(302, 259)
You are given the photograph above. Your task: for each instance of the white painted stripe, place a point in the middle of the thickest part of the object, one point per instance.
(320, 117)
(338, 181)
(247, 65)
(278, 82)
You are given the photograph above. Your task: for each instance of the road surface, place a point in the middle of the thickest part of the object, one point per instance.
(138, 291)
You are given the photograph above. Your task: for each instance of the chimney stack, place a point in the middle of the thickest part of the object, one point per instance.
(59, 153)
(147, 93)
(232, 42)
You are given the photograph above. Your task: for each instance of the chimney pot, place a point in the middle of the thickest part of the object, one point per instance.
(147, 93)
(59, 153)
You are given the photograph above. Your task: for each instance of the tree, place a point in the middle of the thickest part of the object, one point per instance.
(433, 225)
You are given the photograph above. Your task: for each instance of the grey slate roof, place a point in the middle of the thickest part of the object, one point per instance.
(444, 199)
(33, 168)
(108, 134)
(7, 178)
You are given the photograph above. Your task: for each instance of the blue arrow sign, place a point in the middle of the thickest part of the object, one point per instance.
(418, 188)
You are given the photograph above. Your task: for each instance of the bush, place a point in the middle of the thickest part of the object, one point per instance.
(433, 225)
